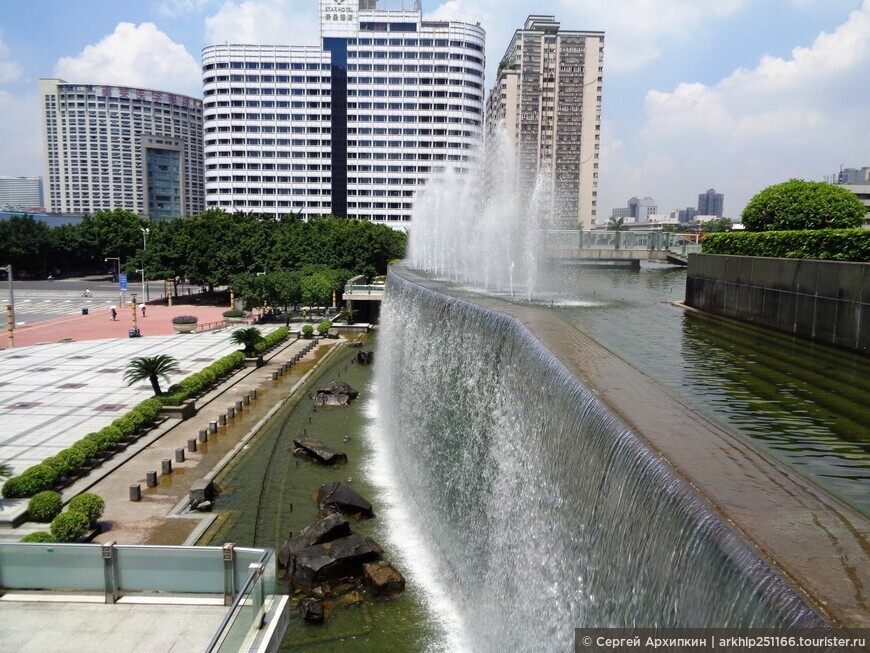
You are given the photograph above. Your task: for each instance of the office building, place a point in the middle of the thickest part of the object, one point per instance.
(351, 127)
(118, 147)
(20, 193)
(638, 210)
(856, 180)
(711, 203)
(547, 95)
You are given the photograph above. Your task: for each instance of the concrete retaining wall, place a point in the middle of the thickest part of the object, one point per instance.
(827, 301)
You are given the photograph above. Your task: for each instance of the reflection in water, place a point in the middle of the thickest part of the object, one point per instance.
(805, 403)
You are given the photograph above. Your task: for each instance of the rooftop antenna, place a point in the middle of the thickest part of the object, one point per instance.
(418, 5)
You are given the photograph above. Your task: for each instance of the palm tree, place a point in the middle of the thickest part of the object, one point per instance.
(347, 314)
(617, 225)
(5, 470)
(151, 368)
(247, 338)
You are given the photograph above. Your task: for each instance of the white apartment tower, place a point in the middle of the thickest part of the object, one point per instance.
(351, 127)
(547, 94)
(119, 147)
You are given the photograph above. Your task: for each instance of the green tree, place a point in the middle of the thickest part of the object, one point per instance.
(151, 368)
(798, 205)
(248, 338)
(116, 233)
(617, 225)
(24, 243)
(317, 289)
(718, 225)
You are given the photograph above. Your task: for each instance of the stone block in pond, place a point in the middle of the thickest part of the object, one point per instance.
(330, 560)
(311, 611)
(337, 393)
(320, 452)
(202, 490)
(383, 579)
(324, 530)
(337, 496)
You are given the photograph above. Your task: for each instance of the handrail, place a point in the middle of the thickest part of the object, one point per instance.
(232, 613)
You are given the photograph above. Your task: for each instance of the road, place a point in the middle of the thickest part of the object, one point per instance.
(36, 301)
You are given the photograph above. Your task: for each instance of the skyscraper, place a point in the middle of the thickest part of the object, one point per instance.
(20, 193)
(547, 94)
(711, 203)
(351, 127)
(118, 147)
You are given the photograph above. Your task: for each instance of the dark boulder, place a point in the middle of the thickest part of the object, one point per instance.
(330, 528)
(311, 611)
(331, 560)
(336, 496)
(365, 357)
(383, 579)
(321, 452)
(337, 393)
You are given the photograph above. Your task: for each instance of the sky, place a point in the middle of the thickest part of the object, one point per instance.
(734, 95)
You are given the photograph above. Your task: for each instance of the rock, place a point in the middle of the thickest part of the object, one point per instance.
(353, 597)
(204, 506)
(383, 579)
(313, 565)
(324, 530)
(321, 452)
(342, 498)
(332, 333)
(202, 489)
(365, 357)
(356, 344)
(311, 611)
(337, 393)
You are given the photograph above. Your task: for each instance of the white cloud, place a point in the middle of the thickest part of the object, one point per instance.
(264, 22)
(9, 70)
(795, 117)
(135, 56)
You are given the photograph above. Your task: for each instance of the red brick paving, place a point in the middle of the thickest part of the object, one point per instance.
(98, 326)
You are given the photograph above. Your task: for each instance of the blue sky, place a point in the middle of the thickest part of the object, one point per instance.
(730, 94)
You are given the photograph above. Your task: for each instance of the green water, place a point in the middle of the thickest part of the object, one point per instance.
(268, 494)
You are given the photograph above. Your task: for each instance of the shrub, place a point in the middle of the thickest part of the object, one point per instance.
(38, 536)
(112, 434)
(823, 244)
(100, 440)
(90, 505)
(35, 479)
(234, 313)
(126, 425)
(44, 506)
(307, 331)
(69, 527)
(802, 205)
(185, 319)
(324, 327)
(67, 462)
(15, 488)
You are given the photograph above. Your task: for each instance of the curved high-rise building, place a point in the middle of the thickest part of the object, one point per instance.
(119, 147)
(351, 127)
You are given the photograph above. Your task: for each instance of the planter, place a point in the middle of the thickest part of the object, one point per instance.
(184, 328)
(235, 320)
(182, 412)
(254, 361)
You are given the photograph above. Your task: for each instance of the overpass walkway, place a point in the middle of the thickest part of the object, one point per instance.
(619, 247)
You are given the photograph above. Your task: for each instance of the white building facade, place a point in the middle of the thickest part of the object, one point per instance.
(548, 97)
(116, 147)
(20, 193)
(351, 128)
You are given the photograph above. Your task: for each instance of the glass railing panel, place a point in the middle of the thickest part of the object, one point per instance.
(58, 567)
(244, 619)
(170, 569)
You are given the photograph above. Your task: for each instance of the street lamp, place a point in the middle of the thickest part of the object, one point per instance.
(145, 231)
(120, 296)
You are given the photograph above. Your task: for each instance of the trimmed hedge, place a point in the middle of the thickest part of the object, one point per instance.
(88, 504)
(45, 506)
(45, 475)
(324, 327)
(820, 244)
(69, 527)
(272, 339)
(307, 331)
(39, 536)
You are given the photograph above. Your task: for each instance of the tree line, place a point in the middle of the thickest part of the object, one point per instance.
(210, 249)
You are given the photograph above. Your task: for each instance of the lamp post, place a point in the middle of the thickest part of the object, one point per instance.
(120, 296)
(145, 231)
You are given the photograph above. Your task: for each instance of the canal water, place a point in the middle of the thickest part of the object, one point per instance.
(806, 403)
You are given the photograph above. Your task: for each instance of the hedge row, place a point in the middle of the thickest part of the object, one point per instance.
(272, 339)
(822, 244)
(81, 515)
(45, 475)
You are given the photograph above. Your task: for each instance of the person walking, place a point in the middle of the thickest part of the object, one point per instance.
(113, 313)
(143, 310)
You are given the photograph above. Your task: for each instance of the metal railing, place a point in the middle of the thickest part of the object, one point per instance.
(634, 240)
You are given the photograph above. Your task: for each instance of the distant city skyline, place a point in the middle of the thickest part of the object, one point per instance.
(696, 94)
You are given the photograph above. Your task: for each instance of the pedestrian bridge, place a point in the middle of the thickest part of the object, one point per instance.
(619, 247)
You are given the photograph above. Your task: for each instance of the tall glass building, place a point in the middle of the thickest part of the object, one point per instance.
(351, 127)
(116, 147)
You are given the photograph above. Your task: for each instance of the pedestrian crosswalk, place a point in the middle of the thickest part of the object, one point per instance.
(38, 305)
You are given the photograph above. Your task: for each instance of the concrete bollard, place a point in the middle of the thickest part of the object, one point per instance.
(247, 399)
(179, 455)
(212, 427)
(274, 376)
(203, 436)
(253, 393)
(231, 412)
(239, 406)
(222, 420)
(191, 444)
(136, 492)
(151, 479)
(166, 466)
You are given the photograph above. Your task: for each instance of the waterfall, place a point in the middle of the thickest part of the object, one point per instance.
(525, 508)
